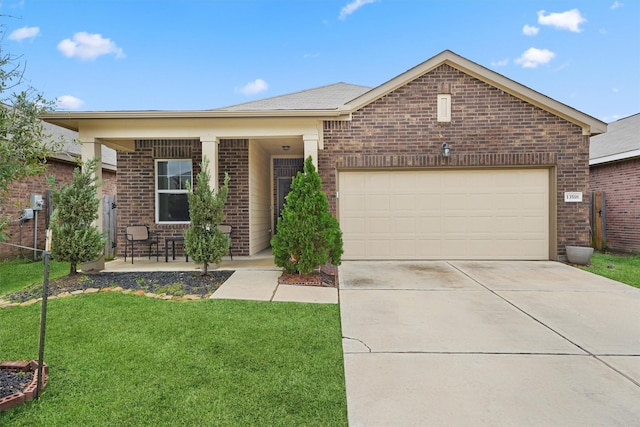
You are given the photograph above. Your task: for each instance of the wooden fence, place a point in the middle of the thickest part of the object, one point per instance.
(598, 220)
(109, 225)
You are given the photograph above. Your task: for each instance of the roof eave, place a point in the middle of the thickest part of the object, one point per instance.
(627, 155)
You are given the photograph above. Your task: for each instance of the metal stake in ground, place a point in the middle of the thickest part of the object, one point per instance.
(43, 315)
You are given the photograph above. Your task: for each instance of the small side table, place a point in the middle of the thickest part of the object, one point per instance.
(173, 241)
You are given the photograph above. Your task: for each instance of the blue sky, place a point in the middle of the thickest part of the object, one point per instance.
(190, 55)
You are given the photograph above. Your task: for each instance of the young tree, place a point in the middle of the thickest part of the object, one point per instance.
(74, 236)
(307, 234)
(203, 240)
(24, 144)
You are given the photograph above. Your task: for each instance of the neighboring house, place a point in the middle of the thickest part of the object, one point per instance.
(61, 166)
(512, 153)
(614, 163)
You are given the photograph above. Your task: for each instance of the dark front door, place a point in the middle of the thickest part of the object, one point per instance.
(284, 186)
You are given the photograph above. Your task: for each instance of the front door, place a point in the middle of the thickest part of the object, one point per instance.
(284, 186)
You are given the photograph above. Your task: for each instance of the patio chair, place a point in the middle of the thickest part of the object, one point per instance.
(227, 230)
(141, 235)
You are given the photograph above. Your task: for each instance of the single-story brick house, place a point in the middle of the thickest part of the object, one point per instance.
(498, 192)
(614, 163)
(61, 166)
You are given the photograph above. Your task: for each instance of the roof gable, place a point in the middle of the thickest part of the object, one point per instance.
(621, 142)
(590, 125)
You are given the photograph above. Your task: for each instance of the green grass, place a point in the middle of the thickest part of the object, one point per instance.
(15, 274)
(118, 359)
(626, 268)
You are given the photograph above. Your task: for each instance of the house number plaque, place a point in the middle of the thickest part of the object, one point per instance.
(573, 196)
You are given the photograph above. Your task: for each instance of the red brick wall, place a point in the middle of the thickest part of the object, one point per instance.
(19, 198)
(489, 128)
(621, 183)
(233, 158)
(136, 187)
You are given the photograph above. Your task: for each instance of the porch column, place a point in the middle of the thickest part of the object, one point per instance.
(311, 148)
(210, 151)
(93, 149)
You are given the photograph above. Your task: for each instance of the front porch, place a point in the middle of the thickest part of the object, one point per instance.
(262, 261)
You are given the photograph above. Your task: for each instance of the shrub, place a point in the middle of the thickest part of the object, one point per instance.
(307, 234)
(204, 242)
(75, 238)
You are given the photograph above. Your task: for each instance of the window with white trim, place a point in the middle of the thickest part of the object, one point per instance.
(172, 204)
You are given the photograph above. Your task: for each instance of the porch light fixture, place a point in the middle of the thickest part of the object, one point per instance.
(446, 151)
(285, 147)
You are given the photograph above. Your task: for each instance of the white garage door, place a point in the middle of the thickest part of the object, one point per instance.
(455, 214)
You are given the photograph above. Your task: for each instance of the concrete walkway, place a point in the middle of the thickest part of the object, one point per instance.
(488, 344)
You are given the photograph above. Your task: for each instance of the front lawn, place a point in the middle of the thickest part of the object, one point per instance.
(15, 274)
(626, 269)
(118, 359)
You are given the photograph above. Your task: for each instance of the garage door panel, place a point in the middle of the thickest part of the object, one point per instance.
(455, 214)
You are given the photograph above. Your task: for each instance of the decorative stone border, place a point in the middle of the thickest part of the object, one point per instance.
(18, 398)
(191, 297)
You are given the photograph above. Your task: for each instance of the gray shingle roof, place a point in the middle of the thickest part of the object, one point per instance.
(321, 98)
(72, 149)
(621, 141)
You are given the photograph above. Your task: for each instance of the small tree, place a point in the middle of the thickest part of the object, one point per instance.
(74, 237)
(307, 234)
(204, 242)
(24, 143)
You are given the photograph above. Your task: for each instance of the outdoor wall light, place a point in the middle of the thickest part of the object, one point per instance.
(285, 147)
(446, 151)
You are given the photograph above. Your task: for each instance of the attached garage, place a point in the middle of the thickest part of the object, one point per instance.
(500, 214)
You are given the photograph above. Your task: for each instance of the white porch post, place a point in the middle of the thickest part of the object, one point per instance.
(210, 151)
(92, 149)
(311, 148)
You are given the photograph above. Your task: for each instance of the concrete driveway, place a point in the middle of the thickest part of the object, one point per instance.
(488, 343)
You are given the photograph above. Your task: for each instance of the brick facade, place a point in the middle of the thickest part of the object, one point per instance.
(136, 187)
(233, 158)
(19, 199)
(489, 128)
(621, 183)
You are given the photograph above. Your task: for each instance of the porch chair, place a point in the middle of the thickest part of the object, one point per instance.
(227, 230)
(141, 235)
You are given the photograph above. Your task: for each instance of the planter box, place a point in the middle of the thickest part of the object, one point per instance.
(28, 394)
(580, 255)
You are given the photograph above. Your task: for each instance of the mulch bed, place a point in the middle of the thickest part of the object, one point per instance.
(12, 382)
(176, 283)
(326, 276)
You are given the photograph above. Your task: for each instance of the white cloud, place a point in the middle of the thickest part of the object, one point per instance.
(89, 46)
(533, 57)
(311, 55)
(68, 102)
(530, 30)
(24, 33)
(352, 7)
(254, 87)
(615, 90)
(616, 4)
(569, 20)
(500, 63)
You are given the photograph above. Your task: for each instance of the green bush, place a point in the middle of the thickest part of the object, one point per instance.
(75, 238)
(204, 242)
(307, 234)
